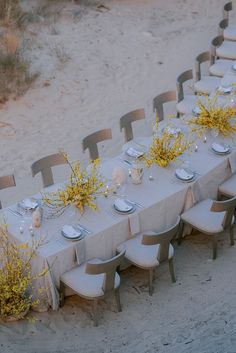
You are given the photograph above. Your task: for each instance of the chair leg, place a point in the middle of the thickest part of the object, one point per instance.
(150, 281)
(180, 233)
(231, 234)
(214, 244)
(117, 297)
(95, 312)
(172, 271)
(61, 294)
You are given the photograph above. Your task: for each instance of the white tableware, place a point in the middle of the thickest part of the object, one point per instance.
(173, 130)
(70, 232)
(234, 66)
(184, 174)
(28, 204)
(220, 148)
(123, 206)
(133, 152)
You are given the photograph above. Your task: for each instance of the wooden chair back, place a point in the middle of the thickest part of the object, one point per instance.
(201, 58)
(228, 207)
(107, 267)
(90, 142)
(163, 238)
(127, 120)
(222, 25)
(160, 100)
(181, 79)
(226, 9)
(6, 181)
(44, 166)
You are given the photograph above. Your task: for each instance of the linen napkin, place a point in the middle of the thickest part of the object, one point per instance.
(71, 231)
(28, 204)
(232, 162)
(184, 174)
(132, 152)
(80, 251)
(122, 205)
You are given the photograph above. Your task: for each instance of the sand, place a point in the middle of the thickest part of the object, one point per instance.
(95, 65)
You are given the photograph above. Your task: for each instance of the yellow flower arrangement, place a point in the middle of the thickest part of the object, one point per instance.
(81, 191)
(16, 278)
(215, 117)
(166, 148)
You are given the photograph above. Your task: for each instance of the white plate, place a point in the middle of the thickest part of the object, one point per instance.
(123, 206)
(184, 175)
(133, 152)
(28, 204)
(71, 232)
(220, 148)
(234, 67)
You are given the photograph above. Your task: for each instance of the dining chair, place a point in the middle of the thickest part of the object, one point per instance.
(90, 142)
(6, 181)
(127, 120)
(227, 31)
(186, 103)
(204, 84)
(149, 249)
(44, 166)
(228, 187)
(227, 48)
(160, 100)
(219, 67)
(93, 280)
(212, 218)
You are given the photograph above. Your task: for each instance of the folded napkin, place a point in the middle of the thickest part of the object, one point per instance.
(132, 152)
(184, 174)
(28, 204)
(219, 148)
(71, 231)
(122, 205)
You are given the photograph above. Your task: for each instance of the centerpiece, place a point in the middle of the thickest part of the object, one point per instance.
(215, 117)
(166, 148)
(16, 277)
(81, 191)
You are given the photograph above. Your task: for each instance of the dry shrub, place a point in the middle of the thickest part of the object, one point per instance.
(9, 11)
(15, 76)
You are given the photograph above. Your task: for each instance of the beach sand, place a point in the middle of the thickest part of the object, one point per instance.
(96, 64)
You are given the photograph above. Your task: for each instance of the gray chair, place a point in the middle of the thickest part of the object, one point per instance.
(205, 84)
(160, 100)
(44, 166)
(151, 248)
(228, 187)
(93, 280)
(6, 181)
(212, 218)
(186, 103)
(219, 67)
(90, 142)
(127, 120)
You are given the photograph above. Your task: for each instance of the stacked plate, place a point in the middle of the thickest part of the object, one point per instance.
(173, 130)
(72, 233)
(123, 206)
(134, 152)
(220, 149)
(28, 204)
(185, 175)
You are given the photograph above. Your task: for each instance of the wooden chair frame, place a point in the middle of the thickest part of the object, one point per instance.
(90, 142)
(160, 100)
(127, 120)
(6, 181)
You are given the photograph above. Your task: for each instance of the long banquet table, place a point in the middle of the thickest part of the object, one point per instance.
(162, 199)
